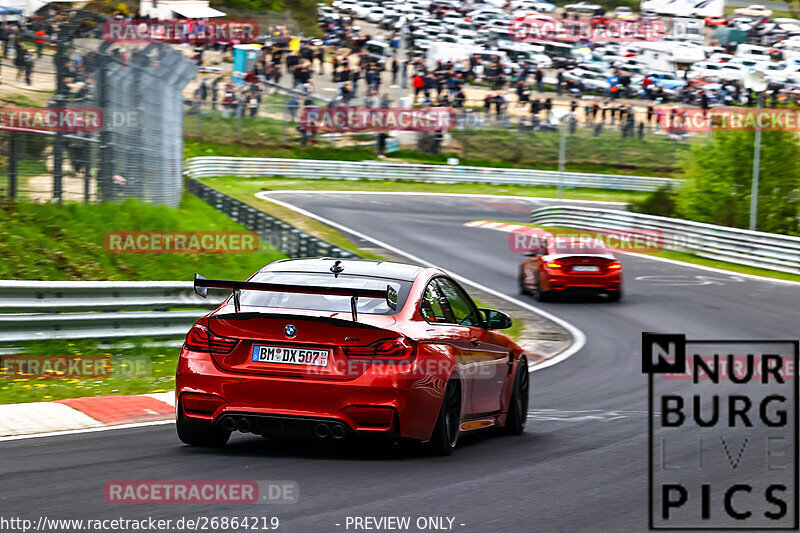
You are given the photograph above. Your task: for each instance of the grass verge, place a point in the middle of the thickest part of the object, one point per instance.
(66, 242)
(160, 378)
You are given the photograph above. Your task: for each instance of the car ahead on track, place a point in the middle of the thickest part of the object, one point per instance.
(338, 349)
(569, 265)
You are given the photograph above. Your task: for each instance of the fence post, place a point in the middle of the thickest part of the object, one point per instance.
(12, 165)
(106, 149)
(239, 112)
(61, 99)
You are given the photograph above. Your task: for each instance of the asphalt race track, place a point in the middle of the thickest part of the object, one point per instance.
(580, 466)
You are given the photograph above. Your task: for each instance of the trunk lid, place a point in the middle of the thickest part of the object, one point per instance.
(570, 262)
(282, 340)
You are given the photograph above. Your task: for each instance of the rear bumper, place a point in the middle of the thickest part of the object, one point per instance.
(379, 402)
(582, 283)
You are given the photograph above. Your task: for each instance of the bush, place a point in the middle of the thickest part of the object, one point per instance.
(719, 179)
(661, 202)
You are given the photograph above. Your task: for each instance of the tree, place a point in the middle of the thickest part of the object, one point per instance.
(719, 177)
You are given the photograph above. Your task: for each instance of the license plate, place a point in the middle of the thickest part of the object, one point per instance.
(290, 356)
(585, 268)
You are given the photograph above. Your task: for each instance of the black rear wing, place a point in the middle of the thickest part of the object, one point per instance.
(201, 286)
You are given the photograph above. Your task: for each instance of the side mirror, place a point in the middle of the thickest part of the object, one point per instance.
(496, 319)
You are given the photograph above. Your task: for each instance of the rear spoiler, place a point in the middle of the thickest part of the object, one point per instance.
(201, 286)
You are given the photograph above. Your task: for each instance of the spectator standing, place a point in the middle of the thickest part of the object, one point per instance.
(319, 55)
(214, 92)
(40, 36)
(253, 99)
(19, 61)
(418, 82)
(203, 91)
(27, 62)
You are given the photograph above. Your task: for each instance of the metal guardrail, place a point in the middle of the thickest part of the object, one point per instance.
(285, 237)
(35, 310)
(753, 248)
(207, 166)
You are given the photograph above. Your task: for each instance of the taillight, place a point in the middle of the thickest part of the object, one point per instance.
(554, 264)
(399, 349)
(614, 266)
(200, 339)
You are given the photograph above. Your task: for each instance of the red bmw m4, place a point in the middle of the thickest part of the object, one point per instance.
(337, 349)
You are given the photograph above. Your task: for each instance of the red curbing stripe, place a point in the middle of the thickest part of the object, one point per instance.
(121, 409)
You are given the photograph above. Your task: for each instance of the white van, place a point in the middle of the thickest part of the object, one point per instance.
(441, 51)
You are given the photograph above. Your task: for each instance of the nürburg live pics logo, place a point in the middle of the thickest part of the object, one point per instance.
(722, 433)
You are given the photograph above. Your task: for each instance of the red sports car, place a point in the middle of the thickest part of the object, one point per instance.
(337, 349)
(563, 264)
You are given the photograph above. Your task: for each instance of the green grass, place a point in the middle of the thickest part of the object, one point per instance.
(684, 257)
(20, 100)
(161, 378)
(256, 130)
(607, 154)
(65, 242)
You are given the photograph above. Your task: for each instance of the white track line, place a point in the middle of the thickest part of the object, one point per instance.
(712, 269)
(578, 337)
(88, 430)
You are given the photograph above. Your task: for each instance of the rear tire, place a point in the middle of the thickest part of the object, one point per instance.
(448, 423)
(517, 416)
(615, 296)
(539, 295)
(201, 435)
(522, 290)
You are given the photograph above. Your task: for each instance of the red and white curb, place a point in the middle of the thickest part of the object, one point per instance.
(72, 414)
(500, 226)
(506, 227)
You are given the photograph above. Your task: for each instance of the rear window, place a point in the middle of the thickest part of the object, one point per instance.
(576, 245)
(324, 302)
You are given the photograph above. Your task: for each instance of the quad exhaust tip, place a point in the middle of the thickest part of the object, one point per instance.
(321, 430)
(338, 432)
